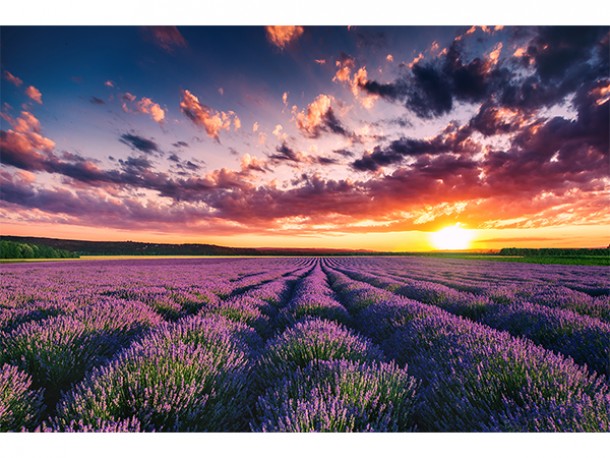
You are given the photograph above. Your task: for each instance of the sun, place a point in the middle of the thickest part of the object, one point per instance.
(451, 238)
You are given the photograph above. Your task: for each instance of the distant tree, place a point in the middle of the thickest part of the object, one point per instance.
(16, 250)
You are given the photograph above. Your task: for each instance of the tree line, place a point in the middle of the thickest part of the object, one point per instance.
(555, 252)
(15, 250)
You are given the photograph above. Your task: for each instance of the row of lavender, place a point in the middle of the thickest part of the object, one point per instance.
(270, 347)
(572, 325)
(475, 378)
(62, 324)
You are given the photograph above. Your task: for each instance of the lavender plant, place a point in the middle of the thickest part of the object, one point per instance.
(309, 341)
(20, 405)
(177, 387)
(339, 396)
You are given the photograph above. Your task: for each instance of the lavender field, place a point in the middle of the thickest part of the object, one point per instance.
(304, 344)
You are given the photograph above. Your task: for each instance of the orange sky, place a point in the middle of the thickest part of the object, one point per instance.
(483, 239)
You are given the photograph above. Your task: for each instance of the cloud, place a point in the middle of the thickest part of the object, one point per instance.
(453, 139)
(236, 122)
(285, 98)
(23, 145)
(8, 76)
(147, 106)
(319, 117)
(540, 73)
(251, 163)
(345, 65)
(371, 162)
(493, 119)
(128, 97)
(203, 116)
(34, 94)
(277, 132)
(282, 36)
(167, 38)
(136, 164)
(136, 142)
(285, 153)
(109, 83)
(429, 89)
(186, 167)
(96, 101)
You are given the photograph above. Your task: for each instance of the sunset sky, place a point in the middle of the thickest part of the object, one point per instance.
(342, 137)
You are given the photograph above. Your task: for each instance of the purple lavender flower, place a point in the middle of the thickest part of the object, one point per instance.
(177, 387)
(339, 396)
(312, 340)
(20, 406)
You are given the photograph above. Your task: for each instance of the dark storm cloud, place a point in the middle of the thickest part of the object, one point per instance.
(556, 50)
(136, 164)
(323, 160)
(371, 162)
(139, 143)
(562, 58)
(334, 125)
(557, 154)
(285, 153)
(453, 139)
(344, 152)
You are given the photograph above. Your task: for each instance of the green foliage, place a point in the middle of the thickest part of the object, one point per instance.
(15, 250)
(556, 252)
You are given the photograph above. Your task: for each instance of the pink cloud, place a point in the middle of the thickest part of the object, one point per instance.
(355, 82)
(12, 78)
(147, 106)
(282, 36)
(24, 145)
(319, 117)
(494, 55)
(167, 38)
(34, 94)
(201, 115)
(344, 65)
(311, 120)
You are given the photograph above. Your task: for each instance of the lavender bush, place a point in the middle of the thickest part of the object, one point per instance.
(177, 387)
(310, 341)
(339, 396)
(20, 406)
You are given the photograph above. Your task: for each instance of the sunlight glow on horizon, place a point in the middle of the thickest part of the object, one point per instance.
(452, 238)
